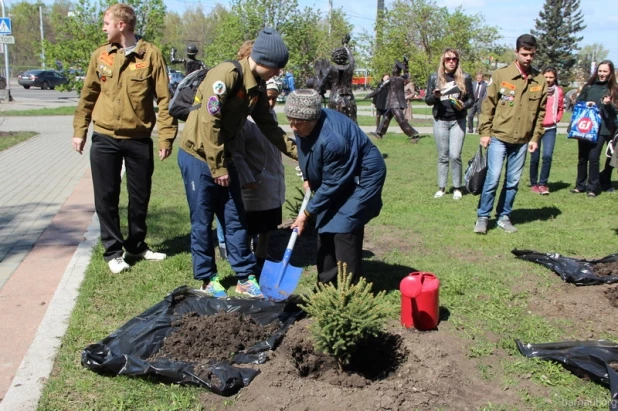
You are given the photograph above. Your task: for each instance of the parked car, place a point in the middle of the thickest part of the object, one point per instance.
(175, 78)
(46, 79)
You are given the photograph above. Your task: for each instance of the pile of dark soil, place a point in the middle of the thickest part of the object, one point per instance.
(612, 296)
(606, 269)
(375, 359)
(215, 337)
(401, 370)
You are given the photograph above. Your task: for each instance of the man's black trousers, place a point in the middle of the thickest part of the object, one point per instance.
(106, 158)
(344, 247)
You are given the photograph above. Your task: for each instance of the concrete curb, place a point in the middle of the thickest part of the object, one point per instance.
(27, 386)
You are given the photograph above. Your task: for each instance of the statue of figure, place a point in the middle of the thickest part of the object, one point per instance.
(321, 68)
(396, 103)
(339, 80)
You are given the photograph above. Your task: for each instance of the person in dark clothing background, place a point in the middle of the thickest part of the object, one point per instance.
(191, 63)
(396, 105)
(480, 91)
(600, 90)
(379, 96)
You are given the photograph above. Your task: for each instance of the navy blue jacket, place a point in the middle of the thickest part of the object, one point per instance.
(346, 172)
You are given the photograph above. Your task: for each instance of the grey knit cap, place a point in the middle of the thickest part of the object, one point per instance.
(269, 49)
(303, 104)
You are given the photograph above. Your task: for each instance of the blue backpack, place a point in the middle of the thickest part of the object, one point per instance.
(585, 122)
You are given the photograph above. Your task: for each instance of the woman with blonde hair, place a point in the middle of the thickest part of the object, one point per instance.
(449, 91)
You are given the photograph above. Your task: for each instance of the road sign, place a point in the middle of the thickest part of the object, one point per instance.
(7, 40)
(5, 25)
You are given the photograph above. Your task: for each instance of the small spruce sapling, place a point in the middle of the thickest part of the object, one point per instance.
(345, 314)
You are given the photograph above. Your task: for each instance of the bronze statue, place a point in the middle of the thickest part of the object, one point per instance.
(396, 103)
(338, 79)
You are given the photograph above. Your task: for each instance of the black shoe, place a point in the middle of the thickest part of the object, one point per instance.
(375, 135)
(577, 191)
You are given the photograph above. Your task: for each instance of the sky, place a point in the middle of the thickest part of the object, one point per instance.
(512, 17)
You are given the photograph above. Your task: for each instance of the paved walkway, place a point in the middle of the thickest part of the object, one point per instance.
(38, 177)
(46, 206)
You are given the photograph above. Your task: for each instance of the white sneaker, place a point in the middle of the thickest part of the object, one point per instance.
(149, 255)
(457, 195)
(118, 265)
(438, 194)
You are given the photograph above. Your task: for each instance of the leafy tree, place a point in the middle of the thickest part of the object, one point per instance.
(78, 32)
(304, 31)
(25, 17)
(421, 30)
(556, 31)
(590, 53)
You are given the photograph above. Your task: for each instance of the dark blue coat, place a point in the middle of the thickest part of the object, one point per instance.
(346, 172)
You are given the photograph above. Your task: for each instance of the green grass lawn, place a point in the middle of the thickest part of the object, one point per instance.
(12, 138)
(481, 280)
(368, 120)
(57, 111)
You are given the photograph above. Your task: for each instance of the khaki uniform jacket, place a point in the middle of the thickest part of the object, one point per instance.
(222, 116)
(119, 93)
(514, 108)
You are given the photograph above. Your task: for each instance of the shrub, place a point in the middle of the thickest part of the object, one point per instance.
(345, 314)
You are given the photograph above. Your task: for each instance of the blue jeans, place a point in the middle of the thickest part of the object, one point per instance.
(547, 142)
(206, 198)
(220, 233)
(449, 136)
(515, 155)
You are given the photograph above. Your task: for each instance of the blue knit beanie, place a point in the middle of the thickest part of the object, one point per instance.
(269, 49)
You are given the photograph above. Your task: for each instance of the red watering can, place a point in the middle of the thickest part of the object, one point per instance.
(420, 301)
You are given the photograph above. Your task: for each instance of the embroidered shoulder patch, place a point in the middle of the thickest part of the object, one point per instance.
(536, 88)
(213, 105)
(507, 85)
(218, 87)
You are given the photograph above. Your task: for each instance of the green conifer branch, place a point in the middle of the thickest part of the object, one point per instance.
(345, 314)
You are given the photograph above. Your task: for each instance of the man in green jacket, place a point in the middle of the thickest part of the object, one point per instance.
(125, 76)
(511, 123)
(210, 177)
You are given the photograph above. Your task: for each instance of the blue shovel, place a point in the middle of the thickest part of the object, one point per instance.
(279, 280)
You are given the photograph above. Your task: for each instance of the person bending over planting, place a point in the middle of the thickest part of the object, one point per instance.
(345, 171)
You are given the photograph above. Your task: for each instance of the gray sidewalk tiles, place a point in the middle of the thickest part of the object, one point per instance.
(38, 176)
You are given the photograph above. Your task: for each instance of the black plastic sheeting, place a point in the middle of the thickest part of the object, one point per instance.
(587, 359)
(571, 270)
(126, 350)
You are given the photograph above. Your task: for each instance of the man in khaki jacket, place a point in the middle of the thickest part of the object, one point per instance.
(124, 78)
(511, 122)
(212, 185)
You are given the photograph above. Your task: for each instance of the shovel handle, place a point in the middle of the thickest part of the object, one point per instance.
(295, 231)
(292, 242)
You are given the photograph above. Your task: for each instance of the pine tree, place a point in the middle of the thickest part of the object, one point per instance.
(557, 30)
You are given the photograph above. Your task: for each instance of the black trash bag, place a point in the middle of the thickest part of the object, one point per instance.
(587, 359)
(476, 172)
(571, 270)
(126, 350)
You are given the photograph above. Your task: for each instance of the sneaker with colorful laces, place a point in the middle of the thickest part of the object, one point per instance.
(249, 287)
(214, 288)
